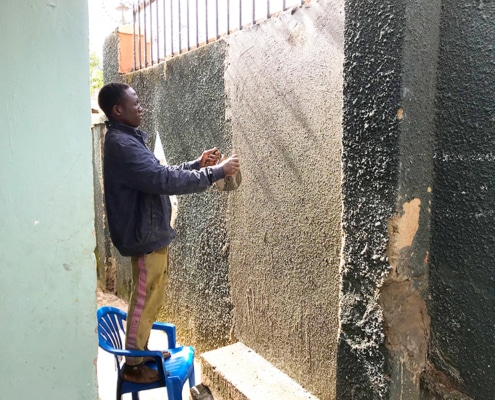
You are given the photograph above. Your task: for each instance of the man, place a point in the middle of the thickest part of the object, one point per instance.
(137, 190)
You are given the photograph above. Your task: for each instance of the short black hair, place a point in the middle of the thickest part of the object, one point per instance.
(110, 95)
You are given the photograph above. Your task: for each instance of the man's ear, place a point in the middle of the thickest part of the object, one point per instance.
(116, 110)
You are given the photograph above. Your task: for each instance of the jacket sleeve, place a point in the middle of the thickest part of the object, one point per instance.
(190, 165)
(139, 169)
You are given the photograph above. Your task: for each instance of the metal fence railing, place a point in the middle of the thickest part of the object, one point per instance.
(165, 28)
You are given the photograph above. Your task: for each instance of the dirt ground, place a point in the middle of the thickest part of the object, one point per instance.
(108, 299)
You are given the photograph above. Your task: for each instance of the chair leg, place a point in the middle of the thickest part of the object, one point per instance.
(192, 378)
(135, 395)
(119, 389)
(174, 390)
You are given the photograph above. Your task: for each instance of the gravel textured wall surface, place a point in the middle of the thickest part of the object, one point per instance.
(184, 104)
(284, 101)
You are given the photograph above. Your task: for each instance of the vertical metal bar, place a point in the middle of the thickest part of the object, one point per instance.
(254, 12)
(172, 26)
(216, 20)
(145, 41)
(228, 17)
(197, 25)
(157, 35)
(151, 32)
(180, 28)
(283, 5)
(206, 21)
(134, 34)
(240, 14)
(188, 27)
(267, 8)
(139, 37)
(164, 30)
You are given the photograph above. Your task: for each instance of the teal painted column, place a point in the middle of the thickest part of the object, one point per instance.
(48, 279)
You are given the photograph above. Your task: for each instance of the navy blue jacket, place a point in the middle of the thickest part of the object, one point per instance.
(137, 189)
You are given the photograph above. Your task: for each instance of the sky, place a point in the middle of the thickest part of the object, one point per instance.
(104, 18)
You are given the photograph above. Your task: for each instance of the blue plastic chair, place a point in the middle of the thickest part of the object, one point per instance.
(173, 372)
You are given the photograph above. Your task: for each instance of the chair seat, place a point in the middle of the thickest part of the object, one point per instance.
(178, 366)
(179, 363)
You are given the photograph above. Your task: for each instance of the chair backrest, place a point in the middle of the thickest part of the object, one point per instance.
(111, 328)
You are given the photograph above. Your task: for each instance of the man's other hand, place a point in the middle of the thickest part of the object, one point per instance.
(231, 165)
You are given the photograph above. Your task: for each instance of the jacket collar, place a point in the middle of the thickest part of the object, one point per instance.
(126, 129)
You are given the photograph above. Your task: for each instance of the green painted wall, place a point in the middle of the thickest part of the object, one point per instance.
(47, 290)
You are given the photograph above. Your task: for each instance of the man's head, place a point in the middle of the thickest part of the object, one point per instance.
(120, 103)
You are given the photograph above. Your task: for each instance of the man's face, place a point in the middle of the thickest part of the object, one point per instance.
(129, 111)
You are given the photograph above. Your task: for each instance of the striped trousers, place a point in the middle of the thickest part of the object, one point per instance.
(149, 282)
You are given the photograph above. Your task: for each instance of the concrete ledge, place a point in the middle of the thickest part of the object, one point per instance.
(236, 372)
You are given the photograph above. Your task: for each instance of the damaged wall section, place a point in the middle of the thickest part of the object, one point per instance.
(417, 300)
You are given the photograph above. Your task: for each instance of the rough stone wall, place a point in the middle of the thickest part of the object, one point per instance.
(114, 271)
(184, 103)
(404, 292)
(462, 351)
(273, 247)
(111, 58)
(261, 264)
(101, 233)
(112, 267)
(284, 96)
(417, 301)
(372, 83)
